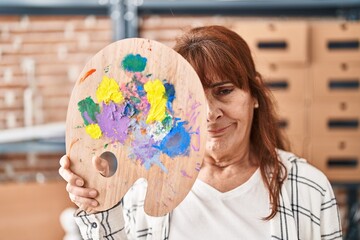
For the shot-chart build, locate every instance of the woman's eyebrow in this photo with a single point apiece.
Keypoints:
(218, 84)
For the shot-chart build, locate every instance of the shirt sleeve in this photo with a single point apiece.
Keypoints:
(107, 224)
(312, 201)
(330, 216)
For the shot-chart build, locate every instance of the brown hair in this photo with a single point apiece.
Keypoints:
(217, 52)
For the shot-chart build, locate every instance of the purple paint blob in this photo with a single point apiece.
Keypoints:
(196, 146)
(143, 150)
(185, 174)
(113, 123)
(143, 147)
(87, 118)
(198, 167)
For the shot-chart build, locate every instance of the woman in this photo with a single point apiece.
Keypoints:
(247, 188)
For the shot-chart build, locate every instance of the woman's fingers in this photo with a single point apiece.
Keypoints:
(70, 177)
(67, 174)
(65, 162)
(81, 191)
(82, 197)
(83, 203)
(101, 165)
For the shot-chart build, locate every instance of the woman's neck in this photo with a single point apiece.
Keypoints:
(227, 174)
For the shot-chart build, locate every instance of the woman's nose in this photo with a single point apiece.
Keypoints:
(213, 111)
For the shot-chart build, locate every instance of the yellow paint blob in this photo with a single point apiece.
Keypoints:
(108, 90)
(93, 130)
(156, 96)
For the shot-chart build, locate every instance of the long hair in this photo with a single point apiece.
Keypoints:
(217, 52)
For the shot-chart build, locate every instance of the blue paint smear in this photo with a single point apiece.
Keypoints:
(140, 89)
(170, 94)
(134, 63)
(129, 110)
(169, 107)
(176, 142)
(155, 160)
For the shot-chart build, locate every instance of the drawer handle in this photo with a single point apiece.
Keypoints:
(344, 84)
(277, 84)
(342, 123)
(336, 45)
(272, 45)
(342, 162)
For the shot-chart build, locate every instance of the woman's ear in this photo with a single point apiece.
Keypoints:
(255, 99)
(256, 103)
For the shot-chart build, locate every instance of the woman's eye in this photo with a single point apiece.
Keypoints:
(225, 91)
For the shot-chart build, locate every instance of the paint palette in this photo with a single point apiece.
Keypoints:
(141, 106)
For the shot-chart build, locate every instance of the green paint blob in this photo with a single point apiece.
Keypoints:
(135, 99)
(88, 109)
(134, 63)
(167, 123)
(107, 69)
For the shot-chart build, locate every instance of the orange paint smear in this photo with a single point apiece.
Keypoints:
(91, 71)
(72, 144)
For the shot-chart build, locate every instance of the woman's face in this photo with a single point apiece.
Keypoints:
(229, 118)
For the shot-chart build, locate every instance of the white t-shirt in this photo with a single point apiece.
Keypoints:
(209, 214)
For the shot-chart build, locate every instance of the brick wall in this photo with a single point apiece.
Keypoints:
(44, 54)
(40, 59)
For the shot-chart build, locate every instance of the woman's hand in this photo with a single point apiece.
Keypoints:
(83, 197)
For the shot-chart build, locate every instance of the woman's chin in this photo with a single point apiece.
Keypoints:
(216, 147)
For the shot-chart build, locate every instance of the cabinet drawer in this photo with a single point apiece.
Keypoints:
(335, 117)
(286, 82)
(336, 80)
(338, 158)
(275, 41)
(292, 117)
(334, 41)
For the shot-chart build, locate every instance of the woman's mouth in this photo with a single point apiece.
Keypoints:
(217, 130)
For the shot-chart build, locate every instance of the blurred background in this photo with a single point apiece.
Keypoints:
(308, 52)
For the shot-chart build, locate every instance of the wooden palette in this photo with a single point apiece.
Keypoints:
(142, 103)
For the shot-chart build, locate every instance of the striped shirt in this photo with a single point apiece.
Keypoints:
(307, 210)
